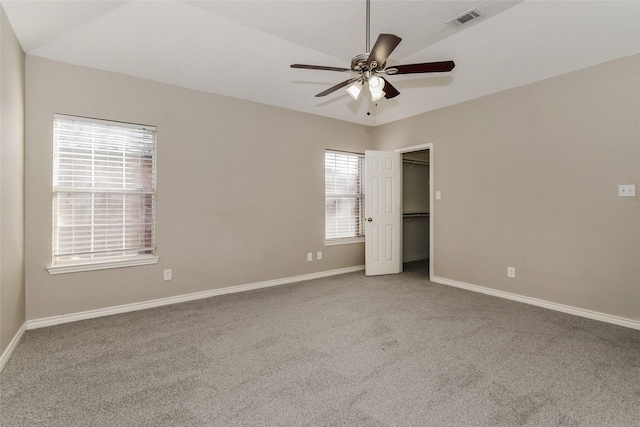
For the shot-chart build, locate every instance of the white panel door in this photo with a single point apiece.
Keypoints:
(383, 216)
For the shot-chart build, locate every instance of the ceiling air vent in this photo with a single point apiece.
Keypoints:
(465, 18)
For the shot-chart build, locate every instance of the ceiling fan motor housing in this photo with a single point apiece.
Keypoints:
(359, 62)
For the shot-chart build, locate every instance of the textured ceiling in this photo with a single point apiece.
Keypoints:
(243, 49)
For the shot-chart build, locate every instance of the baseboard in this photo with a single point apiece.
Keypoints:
(4, 357)
(595, 315)
(91, 314)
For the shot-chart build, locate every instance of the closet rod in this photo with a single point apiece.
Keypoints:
(415, 162)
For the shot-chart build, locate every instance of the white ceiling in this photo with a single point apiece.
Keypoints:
(243, 49)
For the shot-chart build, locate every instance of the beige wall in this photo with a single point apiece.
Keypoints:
(240, 195)
(529, 178)
(12, 304)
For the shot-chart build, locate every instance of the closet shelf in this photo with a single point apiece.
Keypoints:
(414, 214)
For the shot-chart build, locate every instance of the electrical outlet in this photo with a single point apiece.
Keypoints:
(167, 274)
(319, 256)
(309, 256)
(511, 272)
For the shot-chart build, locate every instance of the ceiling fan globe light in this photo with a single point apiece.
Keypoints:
(376, 84)
(354, 90)
(377, 95)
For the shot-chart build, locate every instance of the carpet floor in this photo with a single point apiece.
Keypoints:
(345, 350)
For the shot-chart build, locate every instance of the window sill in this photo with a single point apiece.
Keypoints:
(119, 263)
(346, 241)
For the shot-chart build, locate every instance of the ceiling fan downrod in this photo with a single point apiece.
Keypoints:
(368, 26)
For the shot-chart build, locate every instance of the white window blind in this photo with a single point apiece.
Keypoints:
(103, 190)
(344, 195)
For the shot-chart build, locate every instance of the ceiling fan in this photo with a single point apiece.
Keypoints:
(367, 67)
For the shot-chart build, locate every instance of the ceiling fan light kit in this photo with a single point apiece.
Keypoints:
(376, 88)
(367, 65)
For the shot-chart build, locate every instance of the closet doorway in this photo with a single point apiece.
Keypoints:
(417, 219)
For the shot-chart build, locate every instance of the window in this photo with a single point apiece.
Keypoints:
(344, 196)
(103, 194)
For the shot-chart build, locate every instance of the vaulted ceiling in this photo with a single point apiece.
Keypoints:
(244, 49)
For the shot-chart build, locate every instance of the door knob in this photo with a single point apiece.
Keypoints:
(369, 219)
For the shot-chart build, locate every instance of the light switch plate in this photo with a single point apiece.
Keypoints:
(627, 190)
(438, 195)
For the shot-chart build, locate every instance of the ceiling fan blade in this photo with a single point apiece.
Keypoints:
(385, 44)
(426, 67)
(336, 87)
(389, 90)
(319, 67)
